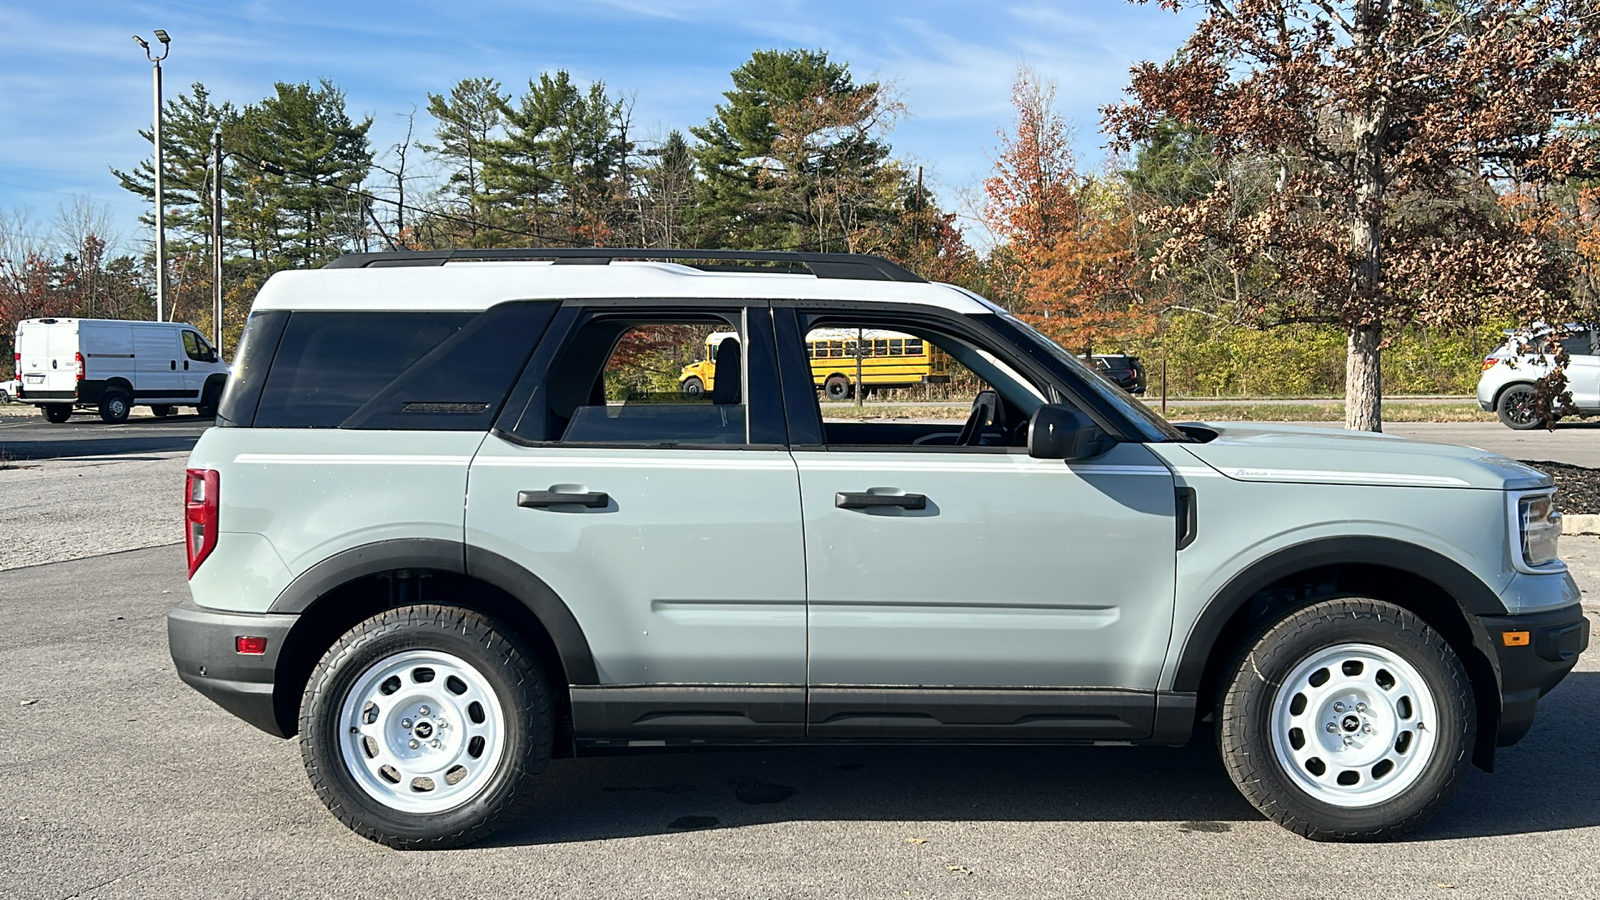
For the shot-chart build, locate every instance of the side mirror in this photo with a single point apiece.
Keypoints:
(1062, 432)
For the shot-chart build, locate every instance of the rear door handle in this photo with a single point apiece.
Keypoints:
(845, 500)
(540, 499)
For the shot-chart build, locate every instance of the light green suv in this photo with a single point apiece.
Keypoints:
(457, 518)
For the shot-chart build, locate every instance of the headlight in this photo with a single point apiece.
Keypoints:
(1539, 526)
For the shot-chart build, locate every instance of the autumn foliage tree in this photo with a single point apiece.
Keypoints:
(1068, 252)
(1393, 125)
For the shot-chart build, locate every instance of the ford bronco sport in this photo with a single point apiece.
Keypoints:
(458, 517)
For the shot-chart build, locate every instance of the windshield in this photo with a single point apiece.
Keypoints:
(1151, 426)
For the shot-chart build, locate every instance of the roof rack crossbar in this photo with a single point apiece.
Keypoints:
(822, 265)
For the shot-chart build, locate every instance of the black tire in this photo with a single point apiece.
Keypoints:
(1251, 697)
(56, 412)
(692, 386)
(115, 405)
(5, 396)
(161, 410)
(510, 671)
(208, 404)
(836, 387)
(1516, 408)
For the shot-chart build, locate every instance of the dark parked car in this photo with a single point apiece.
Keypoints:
(1125, 370)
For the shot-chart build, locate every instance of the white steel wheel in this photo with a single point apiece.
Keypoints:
(425, 725)
(424, 731)
(1350, 719)
(1353, 725)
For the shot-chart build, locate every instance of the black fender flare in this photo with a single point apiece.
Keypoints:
(1473, 596)
(457, 558)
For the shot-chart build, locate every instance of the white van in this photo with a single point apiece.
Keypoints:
(110, 365)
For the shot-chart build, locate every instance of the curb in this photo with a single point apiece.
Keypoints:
(1580, 524)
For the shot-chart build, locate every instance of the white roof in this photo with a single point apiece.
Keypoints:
(480, 285)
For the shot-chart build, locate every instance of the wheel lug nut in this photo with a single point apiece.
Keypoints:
(1338, 707)
(406, 724)
(1366, 729)
(423, 711)
(1361, 707)
(1348, 740)
(413, 744)
(443, 724)
(435, 743)
(1332, 728)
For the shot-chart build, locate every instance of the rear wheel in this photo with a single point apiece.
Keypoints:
(57, 412)
(114, 407)
(424, 726)
(837, 387)
(1349, 720)
(1517, 408)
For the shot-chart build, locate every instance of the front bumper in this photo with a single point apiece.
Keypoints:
(1529, 671)
(202, 643)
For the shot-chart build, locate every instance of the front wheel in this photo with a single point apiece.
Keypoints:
(692, 386)
(1517, 408)
(1349, 720)
(424, 726)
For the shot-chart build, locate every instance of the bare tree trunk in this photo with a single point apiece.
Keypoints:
(1363, 394)
(1363, 388)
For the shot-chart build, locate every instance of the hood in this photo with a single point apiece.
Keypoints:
(1309, 455)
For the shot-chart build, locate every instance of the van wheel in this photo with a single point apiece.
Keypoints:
(424, 726)
(208, 403)
(693, 386)
(1349, 720)
(114, 407)
(57, 412)
(837, 387)
(1516, 408)
(161, 410)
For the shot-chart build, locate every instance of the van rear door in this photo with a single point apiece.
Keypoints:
(48, 368)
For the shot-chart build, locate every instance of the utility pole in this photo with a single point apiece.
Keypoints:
(161, 206)
(216, 241)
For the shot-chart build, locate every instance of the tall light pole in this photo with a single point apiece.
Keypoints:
(216, 241)
(161, 205)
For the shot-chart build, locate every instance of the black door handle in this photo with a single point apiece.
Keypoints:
(173, 365)
(186, 365)
(540, 499)
(845, 500)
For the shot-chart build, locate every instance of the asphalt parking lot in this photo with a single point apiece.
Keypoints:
(126, 783)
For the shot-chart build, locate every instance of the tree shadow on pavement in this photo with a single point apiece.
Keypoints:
(1546, 783)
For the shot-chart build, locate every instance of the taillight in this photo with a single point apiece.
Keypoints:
(200, 515)
(78, 358)
(1489, 361)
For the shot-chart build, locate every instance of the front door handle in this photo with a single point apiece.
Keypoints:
(845, 500)
(540, 499)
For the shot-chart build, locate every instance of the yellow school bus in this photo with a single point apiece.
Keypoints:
(889, 359)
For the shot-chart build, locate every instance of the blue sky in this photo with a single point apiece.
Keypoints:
(77, 88)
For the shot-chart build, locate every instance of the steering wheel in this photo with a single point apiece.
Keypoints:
(985, 409)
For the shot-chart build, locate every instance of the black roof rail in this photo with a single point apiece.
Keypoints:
(823, 265)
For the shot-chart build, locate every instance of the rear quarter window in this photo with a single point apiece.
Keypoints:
(432, 371)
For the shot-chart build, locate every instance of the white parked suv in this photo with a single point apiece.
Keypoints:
(8, 391)
(111, 365)
(1507, 385)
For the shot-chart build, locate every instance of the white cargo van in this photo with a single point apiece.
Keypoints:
(110, 365)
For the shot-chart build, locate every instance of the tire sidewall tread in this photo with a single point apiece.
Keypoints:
(508, 666)
(1244, 714)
